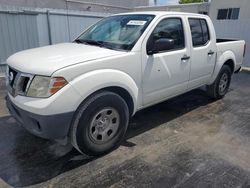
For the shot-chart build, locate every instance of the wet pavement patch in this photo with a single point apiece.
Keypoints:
(188, 141)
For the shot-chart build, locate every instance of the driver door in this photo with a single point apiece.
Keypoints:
(165, 71)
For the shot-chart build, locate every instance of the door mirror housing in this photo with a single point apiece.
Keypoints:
(159, 45)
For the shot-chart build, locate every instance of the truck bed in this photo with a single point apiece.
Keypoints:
(231, 46)
(225, 40)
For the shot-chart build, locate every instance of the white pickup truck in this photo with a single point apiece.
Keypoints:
(84, 92)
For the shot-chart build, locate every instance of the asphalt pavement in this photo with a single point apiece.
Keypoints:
(188, 141)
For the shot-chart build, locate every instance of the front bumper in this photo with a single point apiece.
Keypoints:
(54, 127)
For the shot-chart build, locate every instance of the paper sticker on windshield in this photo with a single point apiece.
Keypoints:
(136, 22)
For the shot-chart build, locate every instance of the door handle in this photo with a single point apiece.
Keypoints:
(210, 53)
(185, 57)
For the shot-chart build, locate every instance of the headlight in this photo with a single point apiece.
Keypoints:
(43, 87)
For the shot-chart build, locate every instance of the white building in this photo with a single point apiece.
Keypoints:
(231, 18)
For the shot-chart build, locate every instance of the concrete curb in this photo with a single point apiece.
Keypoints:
(246, 69)
(2, 83)
(2, 69)
(3, 184)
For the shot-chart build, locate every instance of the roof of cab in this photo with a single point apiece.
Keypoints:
(162, 13)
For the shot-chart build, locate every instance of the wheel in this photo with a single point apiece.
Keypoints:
(100, 124)
(220, 86)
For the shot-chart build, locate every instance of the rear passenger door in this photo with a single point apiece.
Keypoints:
(202, 52)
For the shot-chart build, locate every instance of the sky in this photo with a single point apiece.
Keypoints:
(168, 2)
(164, 2)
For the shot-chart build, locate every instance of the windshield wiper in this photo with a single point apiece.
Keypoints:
(101, 44)
(78, 41)
(92, 42)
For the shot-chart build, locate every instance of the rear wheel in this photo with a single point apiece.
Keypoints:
(100, 124)
(220, 87)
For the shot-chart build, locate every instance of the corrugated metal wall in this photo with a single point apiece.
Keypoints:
(17, 32)
(24, 28)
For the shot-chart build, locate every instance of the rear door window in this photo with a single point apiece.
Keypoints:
(199, 31)
(205, 31)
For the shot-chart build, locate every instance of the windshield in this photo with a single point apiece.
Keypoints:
(119, 32)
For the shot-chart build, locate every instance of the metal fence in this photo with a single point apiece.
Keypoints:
(23, 28)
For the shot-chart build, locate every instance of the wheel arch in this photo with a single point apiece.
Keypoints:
(108, 80)
(231, 64)
(227, 58)
(119, 91)
(122, 93)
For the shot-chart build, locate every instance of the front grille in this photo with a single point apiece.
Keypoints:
(17, 82)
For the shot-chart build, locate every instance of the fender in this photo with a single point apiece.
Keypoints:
(221, 60)
(93, 81)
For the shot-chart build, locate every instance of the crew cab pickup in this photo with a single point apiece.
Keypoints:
(84, 92)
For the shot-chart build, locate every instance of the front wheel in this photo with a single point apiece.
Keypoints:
(100, 124)
(221, 85)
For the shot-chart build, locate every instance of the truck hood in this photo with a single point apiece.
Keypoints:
(48, 59)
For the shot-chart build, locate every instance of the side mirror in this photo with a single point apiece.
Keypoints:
(156, 46)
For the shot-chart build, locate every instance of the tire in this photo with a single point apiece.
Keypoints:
(100, 124)
(220, 87)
